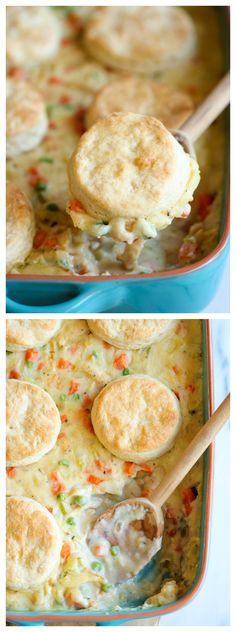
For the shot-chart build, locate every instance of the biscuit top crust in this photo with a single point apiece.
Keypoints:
(25, 107)
(33, 543)
(19, 213)
(142, 96)
(27, 333)
(33, 34)
(129, 333)
(141, 38)
(135, 414)
(33, 422)
(129, 165)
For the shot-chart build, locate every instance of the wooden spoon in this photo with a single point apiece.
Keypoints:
(191, 130)
(152, 524)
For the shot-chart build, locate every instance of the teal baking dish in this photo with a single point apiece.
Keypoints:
(188, 289)
(132, 610)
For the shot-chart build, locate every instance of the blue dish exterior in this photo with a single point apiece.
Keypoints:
(108, 618)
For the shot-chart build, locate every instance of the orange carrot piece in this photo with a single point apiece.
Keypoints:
(129, 468)
(121, 361)
(64, 419)
(103, 467)
(146, 468)
(75, 205)
(14, 375)
(65, 551)
(39, 238)
(95, 480)
(11, 472)
(57, 487)
(64, 364)
(40, 366)
(61, 435)
(74, 386)
(31, 355)
(86, 403)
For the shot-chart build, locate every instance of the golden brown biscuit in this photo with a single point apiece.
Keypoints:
(33, 423)
(26, 333)
(20, 226)
(130, 333)
(136, 418)
(33, 35)
(33, 543)
(142, 96)
(129, 176)
(144, 39)
(26, 122)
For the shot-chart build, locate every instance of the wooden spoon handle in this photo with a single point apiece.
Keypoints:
(209, 110)
(192, 453)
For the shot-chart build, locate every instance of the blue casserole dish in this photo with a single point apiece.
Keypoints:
(134, 611)
(187, 289)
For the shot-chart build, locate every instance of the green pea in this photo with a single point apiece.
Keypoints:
(79, 500)
(96, 566)
(115, 551)
(62, 397)
(71, 521)
(46, 159)
(125, 372)
(95, 354)
(64, 462)
(40, 186)
(76, 396)
(29, 364)
(61, 496)
(106, 587)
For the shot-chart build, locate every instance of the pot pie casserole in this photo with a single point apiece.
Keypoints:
(71, 399)
(70, 67)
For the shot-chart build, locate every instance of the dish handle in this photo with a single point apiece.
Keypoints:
(26, 297)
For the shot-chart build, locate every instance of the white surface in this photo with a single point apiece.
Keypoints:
(221, 302)
(211, 605)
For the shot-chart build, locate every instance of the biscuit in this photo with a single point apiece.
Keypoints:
(26, 122)
(20, 226)
(142, 96)
(129, 333)
(136, 418)
(33, 35)
(33, 543)
(33, 423)
(144, 39)
(26, 333)
(129, 167)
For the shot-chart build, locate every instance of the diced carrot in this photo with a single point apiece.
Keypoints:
(188, 495)
(31, 355)
(191, 388)
(64, 99)
(106, 345)
(14, 375)
(11, 472)
(146, 493)
(146, 468)
(65, 550)
(57, 487)
(52, 125)
(74, 21)
(54, 476)
(50, 509)
(66, 40)
(204, 202)
(121, 361)
(51, 243)
(87, 402)
(85, 417)
(40, 366)
(75, 205)
(64, 419)
(103, 467)
(54, 80)
(17, 73)
(129, 468)
(74, 386)
(176, 369)
(64, 364)
(95, 480)
(100, 550)
(39, 238)
(188, 250)
(61, 435)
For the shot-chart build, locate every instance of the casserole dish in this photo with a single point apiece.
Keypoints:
(189, 285)
(132, 610)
